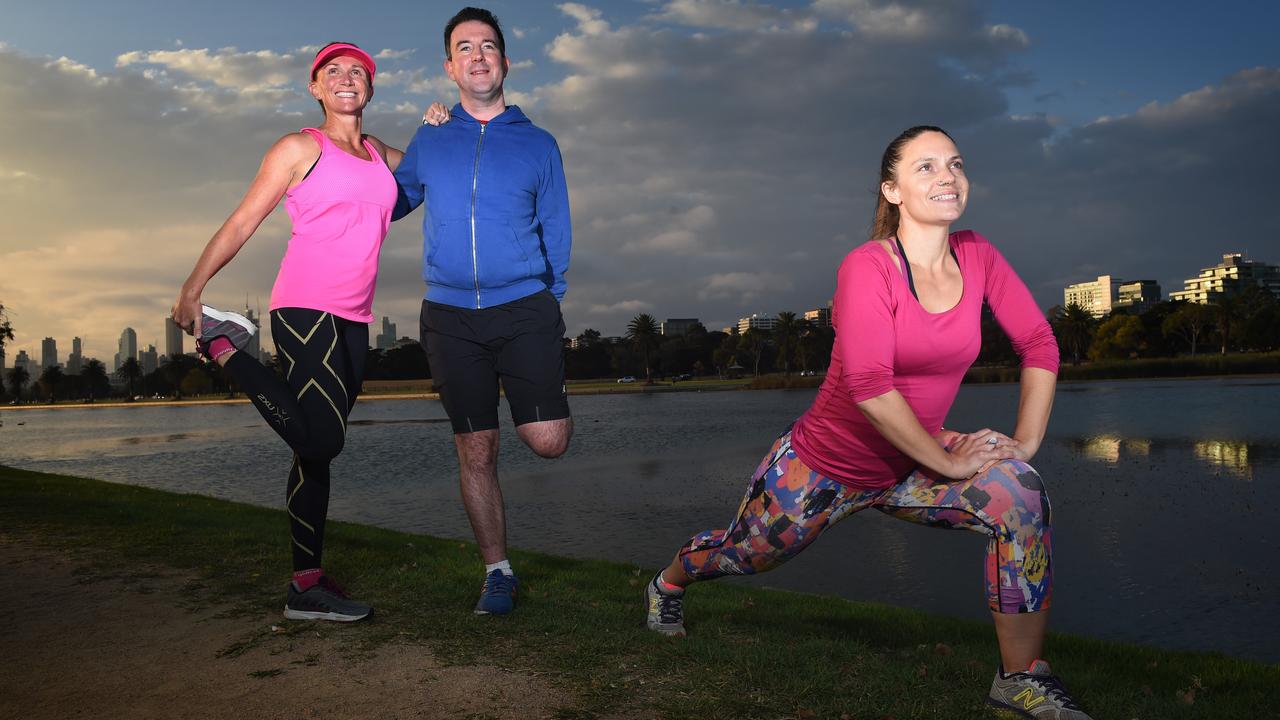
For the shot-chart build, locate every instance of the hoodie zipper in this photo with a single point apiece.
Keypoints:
(475, 176)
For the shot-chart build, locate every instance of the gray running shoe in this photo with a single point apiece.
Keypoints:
(666, 610)
(1035, 693)
(324, 601)
(236, 328)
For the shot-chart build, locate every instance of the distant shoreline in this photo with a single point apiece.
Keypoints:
(586, 388)
(415, 390)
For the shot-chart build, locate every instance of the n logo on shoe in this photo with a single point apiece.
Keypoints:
(1028, 699)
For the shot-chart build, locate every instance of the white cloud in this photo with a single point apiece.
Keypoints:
(626, 307)
(226, 67)
(589, 18)
(70, 67)
(743, 287)
(1010, 35)
(735, 15)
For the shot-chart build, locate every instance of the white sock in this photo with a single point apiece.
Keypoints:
(503, 565)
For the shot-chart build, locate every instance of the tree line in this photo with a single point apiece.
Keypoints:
(792, 345)
(1245, 320)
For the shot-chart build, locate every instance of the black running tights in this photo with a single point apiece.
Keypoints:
(322, 359)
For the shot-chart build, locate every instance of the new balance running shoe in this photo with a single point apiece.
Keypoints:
(666, 610)
(324, 601)
(1036, 693)
(498, 596)
(236, 328)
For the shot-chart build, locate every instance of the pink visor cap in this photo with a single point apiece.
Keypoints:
(332, 51)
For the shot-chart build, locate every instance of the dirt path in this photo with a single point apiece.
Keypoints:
(76, 644)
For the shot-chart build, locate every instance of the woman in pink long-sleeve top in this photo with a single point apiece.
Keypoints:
(907, 315)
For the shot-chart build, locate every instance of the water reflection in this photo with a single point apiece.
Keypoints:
(1236, 457)
(1227, 455)
(147, 439)
(1110, 448)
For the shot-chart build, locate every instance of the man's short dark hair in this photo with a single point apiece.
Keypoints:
(467, 14)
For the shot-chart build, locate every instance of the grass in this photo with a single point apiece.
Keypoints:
(752, 653)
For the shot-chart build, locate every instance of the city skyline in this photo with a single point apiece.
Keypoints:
(1110, 291)
(382, 332)
(721, 156)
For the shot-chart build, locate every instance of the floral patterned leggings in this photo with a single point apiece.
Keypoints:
(788, 505)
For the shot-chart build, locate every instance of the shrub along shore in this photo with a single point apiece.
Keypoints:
(1240, 364)
(752, 653)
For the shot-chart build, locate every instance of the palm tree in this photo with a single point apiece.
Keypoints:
(50, 379)
(642, 331)
(786, 336)
(18, 378)
(93, 379)
(130, 371)
(1074, 328)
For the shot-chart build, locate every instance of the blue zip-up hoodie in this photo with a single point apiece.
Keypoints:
(496, 224)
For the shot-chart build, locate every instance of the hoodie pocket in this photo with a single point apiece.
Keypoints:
(449, 261)
(503, 259)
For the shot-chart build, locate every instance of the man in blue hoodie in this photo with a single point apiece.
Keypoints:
(496, 237)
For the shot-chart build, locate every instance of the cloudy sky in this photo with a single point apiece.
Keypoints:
(721, 155)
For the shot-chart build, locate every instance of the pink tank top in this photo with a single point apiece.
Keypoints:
(340, 214)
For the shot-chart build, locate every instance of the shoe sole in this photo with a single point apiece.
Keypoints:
(1001, 710)
(292, 614)
(478, 611)
(236, 318)
(664, 630)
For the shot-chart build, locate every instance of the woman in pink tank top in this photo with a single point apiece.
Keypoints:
(339, 193)
(907, 314)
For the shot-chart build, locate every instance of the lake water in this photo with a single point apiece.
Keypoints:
(1165, 493)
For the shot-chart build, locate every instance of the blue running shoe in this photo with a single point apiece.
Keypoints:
(498, 597)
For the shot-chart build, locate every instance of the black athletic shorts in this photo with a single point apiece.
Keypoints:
(520, 343)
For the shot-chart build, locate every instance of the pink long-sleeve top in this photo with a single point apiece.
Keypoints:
(885, 340)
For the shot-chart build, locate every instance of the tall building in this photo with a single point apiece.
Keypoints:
(254, 346)
(149, 360)
(757, 321)
(22, 361)
(128, 347)
(820, 317)
(1228, 277)
(1095, 297)
(48, 353)
(172, 338)
(75, 361)
(387, 338)
(678, 326)
(1137, 294)
(1108, 293)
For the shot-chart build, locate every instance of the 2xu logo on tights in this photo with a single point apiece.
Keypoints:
(278, 416)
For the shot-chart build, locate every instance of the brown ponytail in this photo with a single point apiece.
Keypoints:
(885, 224)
